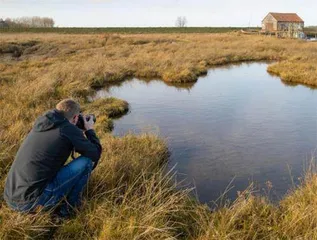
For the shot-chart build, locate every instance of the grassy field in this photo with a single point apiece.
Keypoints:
(310, 31)
(122, 30)
(130, 195)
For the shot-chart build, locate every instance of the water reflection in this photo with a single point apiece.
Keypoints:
(179, 86)
(293, 85)
(237, 122)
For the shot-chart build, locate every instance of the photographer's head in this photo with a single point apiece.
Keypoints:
(70, 110)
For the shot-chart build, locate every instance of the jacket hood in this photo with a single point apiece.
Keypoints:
(49, 120)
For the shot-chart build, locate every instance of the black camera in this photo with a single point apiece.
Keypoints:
(81, 123)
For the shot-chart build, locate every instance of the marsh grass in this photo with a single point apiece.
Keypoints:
(130, 195)
(135, 30)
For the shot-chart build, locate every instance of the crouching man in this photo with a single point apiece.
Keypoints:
(38, 178)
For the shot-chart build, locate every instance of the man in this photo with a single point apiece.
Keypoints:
(38, 178)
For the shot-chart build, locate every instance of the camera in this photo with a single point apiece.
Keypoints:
(81, 123)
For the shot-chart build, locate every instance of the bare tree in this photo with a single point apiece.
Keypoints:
(32, 22)
(181, 22)
(9, 22)
(48, 22)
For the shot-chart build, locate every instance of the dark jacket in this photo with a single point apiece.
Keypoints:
(43, 153)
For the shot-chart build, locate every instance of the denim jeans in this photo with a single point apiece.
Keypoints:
(67, 185)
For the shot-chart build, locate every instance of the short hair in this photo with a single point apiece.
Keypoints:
(68, 108)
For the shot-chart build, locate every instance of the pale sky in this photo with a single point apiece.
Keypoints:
(141, 13)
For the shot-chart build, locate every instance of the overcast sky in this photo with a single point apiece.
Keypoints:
(141, 13)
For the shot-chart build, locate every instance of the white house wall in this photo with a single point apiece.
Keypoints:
(269, 19)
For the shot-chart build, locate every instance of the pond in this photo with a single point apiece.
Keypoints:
(236, 125)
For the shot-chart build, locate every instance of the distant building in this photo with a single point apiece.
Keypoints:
(3, 24)
(284, 25)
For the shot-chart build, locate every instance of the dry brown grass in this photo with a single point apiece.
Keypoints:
(129, 196)
(102, 59)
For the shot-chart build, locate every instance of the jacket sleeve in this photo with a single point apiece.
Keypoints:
(88, 146)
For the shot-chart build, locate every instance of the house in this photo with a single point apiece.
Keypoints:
(284, 25)
(3, 24)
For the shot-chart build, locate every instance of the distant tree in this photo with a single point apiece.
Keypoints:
(30, 22)
(181, 22)
(10, 23)
(48, 22)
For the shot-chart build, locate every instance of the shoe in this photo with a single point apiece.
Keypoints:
(65, 212)
(56, 219)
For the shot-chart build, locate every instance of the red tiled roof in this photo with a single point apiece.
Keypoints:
(286, 17)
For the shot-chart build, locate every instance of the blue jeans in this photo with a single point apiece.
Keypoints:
(67, 185)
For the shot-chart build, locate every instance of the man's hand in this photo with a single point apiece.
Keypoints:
(89, 124)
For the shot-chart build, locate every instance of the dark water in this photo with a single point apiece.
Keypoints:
(237, 123)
